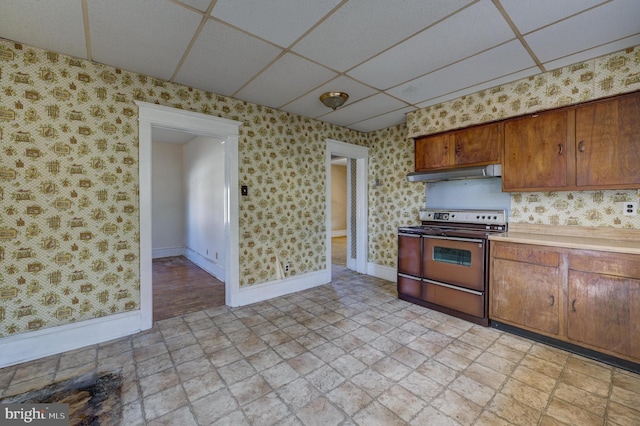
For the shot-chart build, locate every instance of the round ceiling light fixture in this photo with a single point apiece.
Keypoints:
(334, 99)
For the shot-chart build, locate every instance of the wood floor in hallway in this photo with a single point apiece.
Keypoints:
(180, 287)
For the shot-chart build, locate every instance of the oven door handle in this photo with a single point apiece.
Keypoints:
(440, 237)
(466, 290)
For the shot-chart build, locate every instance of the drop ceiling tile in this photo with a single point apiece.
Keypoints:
(362, 28)
(147, 37)
(482, 86)
(309, 105)
(531, 15)
(202, 5)
(456, 38)
(585, 55)
(214, 62)
(55, 26)
(282, 22)
(363, 110)
(500, 61)
(604, 24)
(270, 89)
(383, 121)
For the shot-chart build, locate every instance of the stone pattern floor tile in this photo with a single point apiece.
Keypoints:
(346, 353)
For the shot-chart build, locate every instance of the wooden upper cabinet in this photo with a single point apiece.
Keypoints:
(474, 146)
(536, 149)
(608, 143)
(433, 152)
(477, 145)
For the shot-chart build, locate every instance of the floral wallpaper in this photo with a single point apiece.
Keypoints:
(597, 78)
(69, 241)
(393, 201)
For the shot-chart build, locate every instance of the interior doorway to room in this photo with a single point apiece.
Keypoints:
(354, 243)
(339, 211)
(150, 117)
(187, 181)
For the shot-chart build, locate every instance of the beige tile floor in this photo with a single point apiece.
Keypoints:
(345, 353)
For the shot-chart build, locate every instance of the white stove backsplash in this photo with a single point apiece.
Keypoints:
(479, 194)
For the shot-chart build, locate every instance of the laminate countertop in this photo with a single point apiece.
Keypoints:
(573, 237)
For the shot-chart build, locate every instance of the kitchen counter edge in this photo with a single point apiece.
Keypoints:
(609, 239)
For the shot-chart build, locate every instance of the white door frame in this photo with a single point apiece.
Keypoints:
(361, 155)
(150, 116)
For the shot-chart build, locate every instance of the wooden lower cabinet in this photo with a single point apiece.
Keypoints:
(604, 302)
(525, 288)
(584, 297)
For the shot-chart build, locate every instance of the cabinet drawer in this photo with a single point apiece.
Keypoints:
(459, 300)
(520, 253)
(409, 286)
(616, 264)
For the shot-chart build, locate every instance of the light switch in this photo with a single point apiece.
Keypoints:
(244, 190)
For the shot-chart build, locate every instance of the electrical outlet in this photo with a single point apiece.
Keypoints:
(286, 267)
(630, 208)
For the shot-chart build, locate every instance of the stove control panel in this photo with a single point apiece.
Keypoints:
(498, 217)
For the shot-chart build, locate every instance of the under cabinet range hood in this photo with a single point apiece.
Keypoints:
(492, 170)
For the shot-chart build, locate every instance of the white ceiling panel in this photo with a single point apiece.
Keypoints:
(364, 109)
(309, 105)
(495, 63)
(214, 63)
(383, 121)
(201, 5)
(531, 15)
(147, 37)
(53, 25)
(288, 78)
(279, 21)
(482, 86)
(587, 30)
(390, 56)
(456, 38)
(362, 28)
(594, 53)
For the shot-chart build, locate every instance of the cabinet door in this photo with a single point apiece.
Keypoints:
(608, 142)
(477, 145)
(601, 312)
(410, 254)
(525, 294)
(535, 152)
(433, 152)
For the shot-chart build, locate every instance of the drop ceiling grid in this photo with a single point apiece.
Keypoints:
(284, 54)
(149, 40)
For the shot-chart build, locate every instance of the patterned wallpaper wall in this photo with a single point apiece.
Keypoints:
(597, 78)
(69, 242)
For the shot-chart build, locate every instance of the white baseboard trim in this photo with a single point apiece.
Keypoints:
(51, 341)
(259, 292)
(384, 272)
(339, 233)
(157, 253)
(205, 263)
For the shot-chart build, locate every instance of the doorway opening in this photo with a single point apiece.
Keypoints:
(187, 220)
(356, 159)
(152, 116)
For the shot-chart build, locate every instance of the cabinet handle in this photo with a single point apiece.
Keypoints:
(553, 300)
(560, 149)
(573, 305)
(458, 151)
(581, 146)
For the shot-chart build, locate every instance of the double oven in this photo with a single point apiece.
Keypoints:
(443, 264)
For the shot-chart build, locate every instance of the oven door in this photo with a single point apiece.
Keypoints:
(453, 260)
